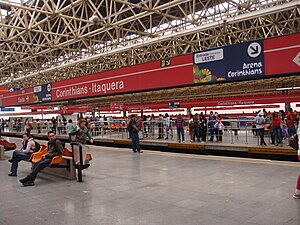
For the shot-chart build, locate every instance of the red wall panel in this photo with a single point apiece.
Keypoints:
(282, 55)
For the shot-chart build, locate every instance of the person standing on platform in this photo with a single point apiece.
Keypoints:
(276, 121)
(134, 130)
(291, 122)
(260, 122)
(28, 126)
(168, 126)
(191, 128)
(202, 127)
(196, 129)
(211, 125)
(160, 125)
(180, 128)
(70, 127)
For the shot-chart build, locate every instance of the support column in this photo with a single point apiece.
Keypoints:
(287, 106)
(189, 111)
(124, 113)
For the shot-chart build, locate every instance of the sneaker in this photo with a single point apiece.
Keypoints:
(28, 183)
(202, 142)
(10, 160)
(296, 196)
(24, 180)
(183, 141)
(12, 174)
(140, 151)
(134, 151)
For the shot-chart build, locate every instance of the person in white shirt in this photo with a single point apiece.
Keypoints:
(168, 125)
(260, 123)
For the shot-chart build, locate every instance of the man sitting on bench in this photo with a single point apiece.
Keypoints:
(55, 148)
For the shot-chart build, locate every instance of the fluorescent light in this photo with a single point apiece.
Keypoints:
(283, 89)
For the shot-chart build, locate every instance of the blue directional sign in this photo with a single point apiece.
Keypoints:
(235, 62)
(42, 93)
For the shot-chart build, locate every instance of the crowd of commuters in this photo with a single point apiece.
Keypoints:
(201, 128)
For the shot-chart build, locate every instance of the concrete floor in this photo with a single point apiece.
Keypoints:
(154, 188)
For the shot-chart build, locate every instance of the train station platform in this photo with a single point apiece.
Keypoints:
(155, 188)
(245, 144)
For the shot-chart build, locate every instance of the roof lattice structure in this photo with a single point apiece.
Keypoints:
(44, 41)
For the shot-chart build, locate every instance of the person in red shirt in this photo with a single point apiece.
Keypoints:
(291, 122)
(276, 120)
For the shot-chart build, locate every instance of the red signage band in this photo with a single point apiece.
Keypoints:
(17, 98)
(140, 77)
(37, 107)
(282, 55)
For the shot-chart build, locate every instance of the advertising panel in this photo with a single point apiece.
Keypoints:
(42, 93)
(282, 55)
(134, 78)
(17, 98)
(235, 62)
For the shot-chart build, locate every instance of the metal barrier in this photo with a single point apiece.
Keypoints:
(241, 131)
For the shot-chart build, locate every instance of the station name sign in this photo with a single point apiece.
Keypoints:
(146, 76)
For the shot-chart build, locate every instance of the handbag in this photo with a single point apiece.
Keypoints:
(88, 157)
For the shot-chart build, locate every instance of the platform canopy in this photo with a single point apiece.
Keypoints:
(45, 41)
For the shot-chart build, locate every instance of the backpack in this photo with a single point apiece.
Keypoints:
(293, 142)
(37, 146)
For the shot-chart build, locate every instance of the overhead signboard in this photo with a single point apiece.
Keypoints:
(116, 106)
(77, 108)
(42, 93)
(17, 98)
(235, 62)
(128, 79)
(7, 109)
(173, 105)
(282, 55)
(37, 107)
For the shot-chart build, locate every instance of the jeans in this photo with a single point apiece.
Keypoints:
(167, 131)
(291, 131)
(180, 131)
(211, 132)
(261, 133)
(16, 158)
(38, 166)
(196, 134)
(278, 134)
(219, 134)
(135, 141)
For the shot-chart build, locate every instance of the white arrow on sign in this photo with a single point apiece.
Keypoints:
(297, 59)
